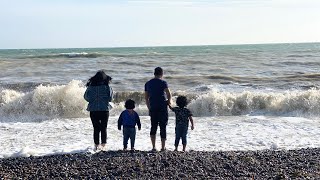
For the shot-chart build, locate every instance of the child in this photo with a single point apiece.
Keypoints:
(183, 115)
(129, 118)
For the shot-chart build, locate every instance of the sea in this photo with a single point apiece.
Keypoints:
(243, 97)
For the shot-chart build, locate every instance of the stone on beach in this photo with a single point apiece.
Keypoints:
(300, 164)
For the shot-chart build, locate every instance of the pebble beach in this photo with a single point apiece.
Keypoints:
(266, 164)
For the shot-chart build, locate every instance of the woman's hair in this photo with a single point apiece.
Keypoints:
(98, 79)
(130, 104)
(182, 101)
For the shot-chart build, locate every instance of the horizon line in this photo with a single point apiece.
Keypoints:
(151, 46)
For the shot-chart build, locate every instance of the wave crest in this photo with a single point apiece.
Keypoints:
(66, 101)
(290, 103)
(44, 101)
(95, 55)
(66, 55)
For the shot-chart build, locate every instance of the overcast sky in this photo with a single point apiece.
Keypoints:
(102, 23)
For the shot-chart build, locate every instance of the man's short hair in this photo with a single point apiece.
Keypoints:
(158, 71)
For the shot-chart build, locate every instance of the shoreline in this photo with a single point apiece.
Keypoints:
(265, 164)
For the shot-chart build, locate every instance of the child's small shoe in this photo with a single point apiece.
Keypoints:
(132, 150)
(163, 149)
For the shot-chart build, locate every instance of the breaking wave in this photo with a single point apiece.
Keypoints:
(289, 103)
(66, 101)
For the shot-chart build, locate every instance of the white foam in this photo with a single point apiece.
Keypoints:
(7, 96)
(58, 136)
(288, 103)
(66, 101)
(72, 54)
(44, 102)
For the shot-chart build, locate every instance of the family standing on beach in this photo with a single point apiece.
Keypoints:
(158, 98)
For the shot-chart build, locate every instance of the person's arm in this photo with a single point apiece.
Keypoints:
(174, 109)
(138, 121)
(120, 122)
(86, 95)
(191, 120)
(147, 97)
(110, 94)
(168, 93)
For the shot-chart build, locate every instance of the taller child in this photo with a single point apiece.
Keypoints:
(158, 96)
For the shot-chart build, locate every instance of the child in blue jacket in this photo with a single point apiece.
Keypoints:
(129, 119)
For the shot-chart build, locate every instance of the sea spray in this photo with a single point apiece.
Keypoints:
(6, 96)
(44, 101)
(66, 101)
(292, 103)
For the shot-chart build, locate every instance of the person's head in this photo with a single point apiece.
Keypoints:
(130, 104)
(182, 101)
(99, 78)
(158, 72)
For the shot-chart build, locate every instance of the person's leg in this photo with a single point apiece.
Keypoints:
(96, 127)
(163, 121)
(178, 134)
(125, 138)
(104, 123)
(184, 137)
(132, 137)
(154, 127)
(153, 141)
(184, 147)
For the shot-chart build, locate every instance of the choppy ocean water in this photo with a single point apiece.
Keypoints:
(243, 97)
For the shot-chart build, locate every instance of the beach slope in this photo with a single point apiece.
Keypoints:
(301, 164)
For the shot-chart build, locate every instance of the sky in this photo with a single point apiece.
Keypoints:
(130, 23)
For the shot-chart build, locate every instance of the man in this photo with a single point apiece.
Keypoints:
(158, 97)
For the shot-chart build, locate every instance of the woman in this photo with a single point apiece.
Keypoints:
(99, 94)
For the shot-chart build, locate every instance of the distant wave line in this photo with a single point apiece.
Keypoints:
(93, 55)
